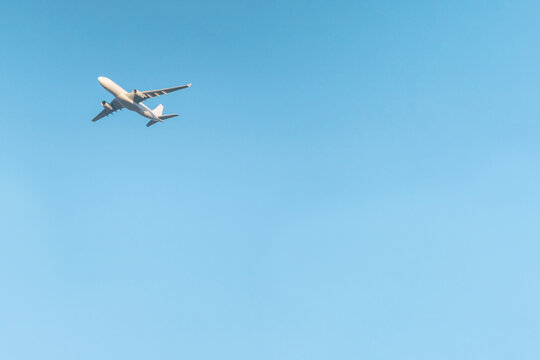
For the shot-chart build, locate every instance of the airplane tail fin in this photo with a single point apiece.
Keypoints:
(158, 110)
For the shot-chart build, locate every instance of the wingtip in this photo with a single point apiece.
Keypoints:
(188, 85)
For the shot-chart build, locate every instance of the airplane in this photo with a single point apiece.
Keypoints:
(133, 101)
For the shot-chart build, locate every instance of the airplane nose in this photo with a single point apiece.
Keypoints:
(101, 79)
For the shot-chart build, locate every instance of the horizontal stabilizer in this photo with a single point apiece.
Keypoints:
(163, 117)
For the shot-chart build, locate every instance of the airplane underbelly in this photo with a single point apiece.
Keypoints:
(139, 108)
(129, 105)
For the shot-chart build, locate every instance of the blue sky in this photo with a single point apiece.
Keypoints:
(348, 180)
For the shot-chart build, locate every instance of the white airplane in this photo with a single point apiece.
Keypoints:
(133, 101)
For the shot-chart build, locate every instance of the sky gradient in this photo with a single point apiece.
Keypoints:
(346, 180)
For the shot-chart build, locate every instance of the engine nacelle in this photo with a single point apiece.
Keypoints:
(106, 105)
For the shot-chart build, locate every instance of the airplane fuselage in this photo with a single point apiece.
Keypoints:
(119, 93)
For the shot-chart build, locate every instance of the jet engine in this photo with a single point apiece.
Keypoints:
(106, 105)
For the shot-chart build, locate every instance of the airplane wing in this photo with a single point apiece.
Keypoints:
(115, 105)
(140, 96)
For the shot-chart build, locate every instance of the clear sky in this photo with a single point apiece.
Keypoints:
(346, 180)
